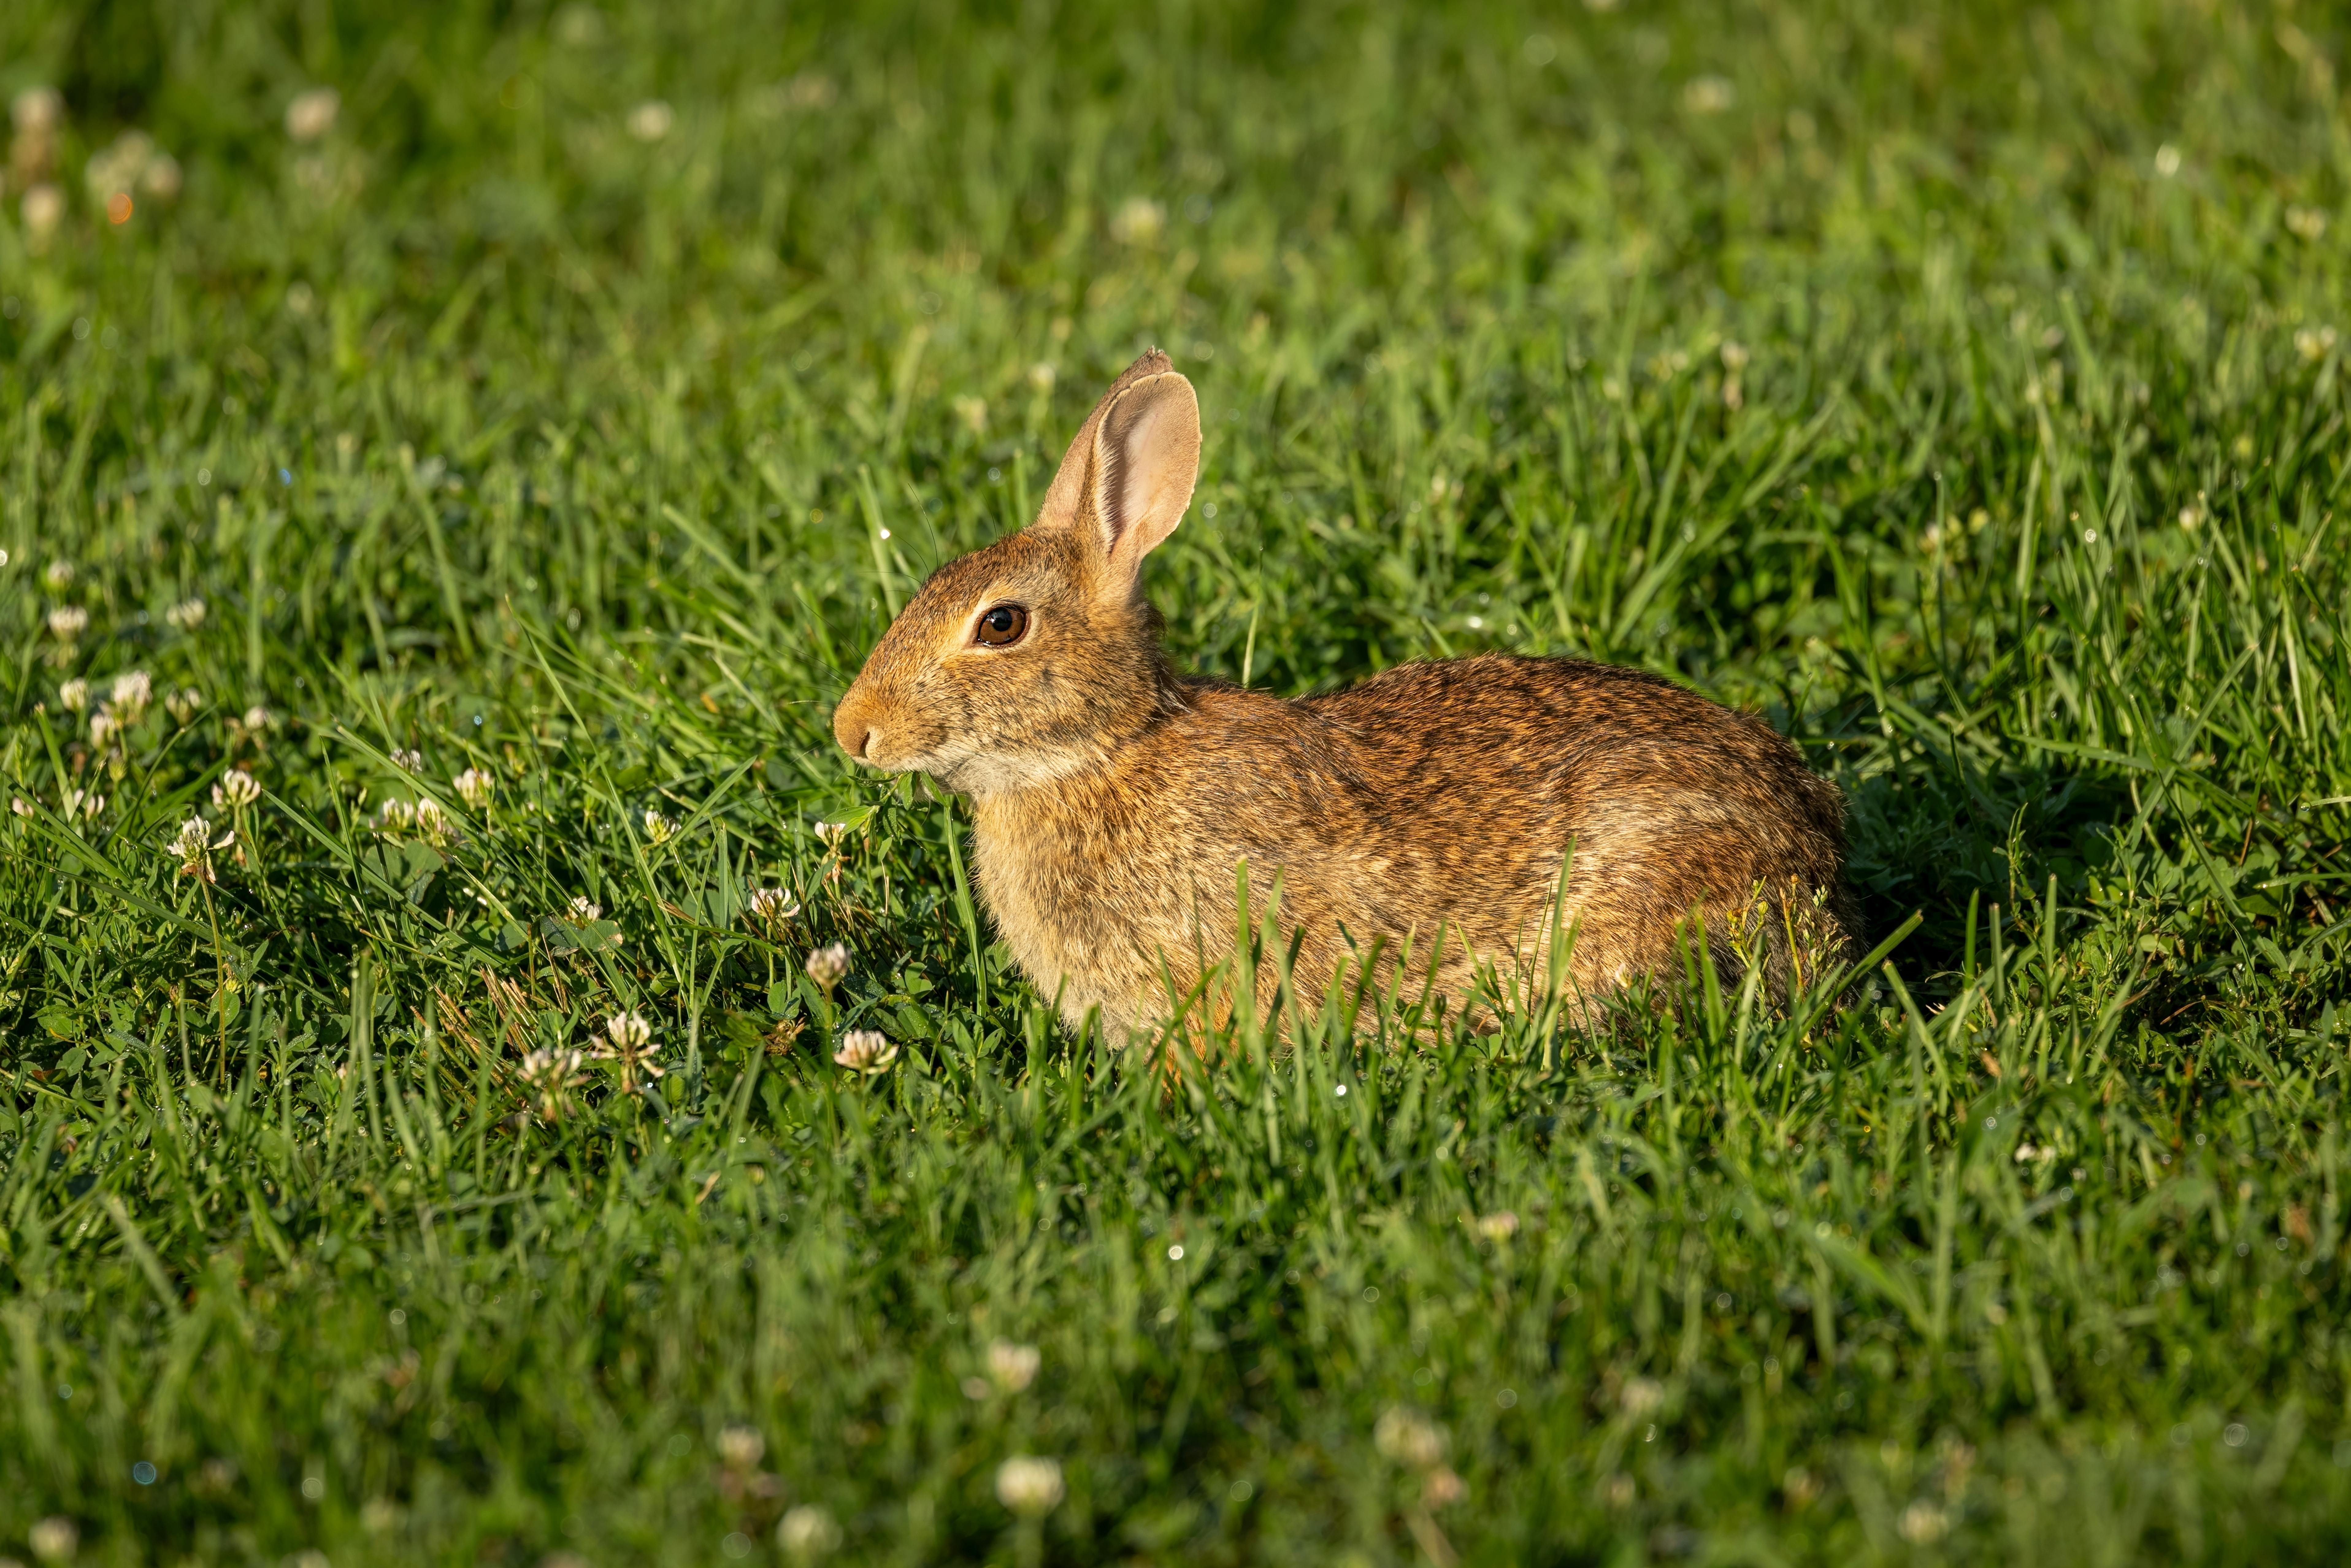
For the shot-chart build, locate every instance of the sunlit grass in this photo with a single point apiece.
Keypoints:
(439, 523)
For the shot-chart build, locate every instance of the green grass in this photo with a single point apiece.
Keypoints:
(1957, 385)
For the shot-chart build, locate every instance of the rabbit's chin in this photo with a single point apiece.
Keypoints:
(978, 773)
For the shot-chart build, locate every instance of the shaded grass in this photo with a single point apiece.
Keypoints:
(1910, 393)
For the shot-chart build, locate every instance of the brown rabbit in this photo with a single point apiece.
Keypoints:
(1113, 798)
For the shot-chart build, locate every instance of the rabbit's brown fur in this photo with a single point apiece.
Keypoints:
(1113, 798)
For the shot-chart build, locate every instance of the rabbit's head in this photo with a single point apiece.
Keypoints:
(1036, 656)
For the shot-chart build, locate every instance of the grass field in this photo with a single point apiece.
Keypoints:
(505, 465)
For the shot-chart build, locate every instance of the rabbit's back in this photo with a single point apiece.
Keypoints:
(1486, 770)
(1431, 796)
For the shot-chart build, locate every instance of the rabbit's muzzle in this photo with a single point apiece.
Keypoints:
(857, 725)
(855, 736)
(881, 725)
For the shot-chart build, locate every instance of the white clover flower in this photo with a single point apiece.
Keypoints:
(832, 833)
(774, 906)
(183, 704)
(584, 912)
(549, 1062)
(18, 804)
(312, 114)
(474, 788)
(258, 718)
(54, 1539)
(434, 825)
(193, 844)
(395, 817)
(865, 1051)
(1408, 1439)
(550, 1073)
(74, 694)
(37, 111)
(739, 1447)
(1708, 95)
(161, 177)
(408, 761)
(1441, 1489)
(1642, 1397)
(113, 174)
(1042, 375)
(84, 803)
(103, 726)
(807, 1533)
(1013, 1367)
(659, 829)
(44, 208)
(1139, 221)
(59, 574)
(628, 1040)
(132, 692)
(2306, 222)
(652, 120)
(828, 965)
(1499, 1226)
(67, 622)
(1922, 1523)
(186, 615)
(1029, 1487)
(235, 791)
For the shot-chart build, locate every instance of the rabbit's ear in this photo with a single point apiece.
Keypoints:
(1129, 475)
(1146, 460)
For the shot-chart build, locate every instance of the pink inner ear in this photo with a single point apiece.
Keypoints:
(1135, 479)
(1149, 458)
(1064, 499)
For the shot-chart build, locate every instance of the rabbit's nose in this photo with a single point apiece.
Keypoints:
(853, 729)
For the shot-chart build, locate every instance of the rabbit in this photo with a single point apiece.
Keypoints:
(1461, 810)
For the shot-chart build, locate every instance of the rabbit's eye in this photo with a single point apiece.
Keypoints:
(1003, 626)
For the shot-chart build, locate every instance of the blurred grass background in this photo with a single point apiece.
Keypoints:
(562, 397)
